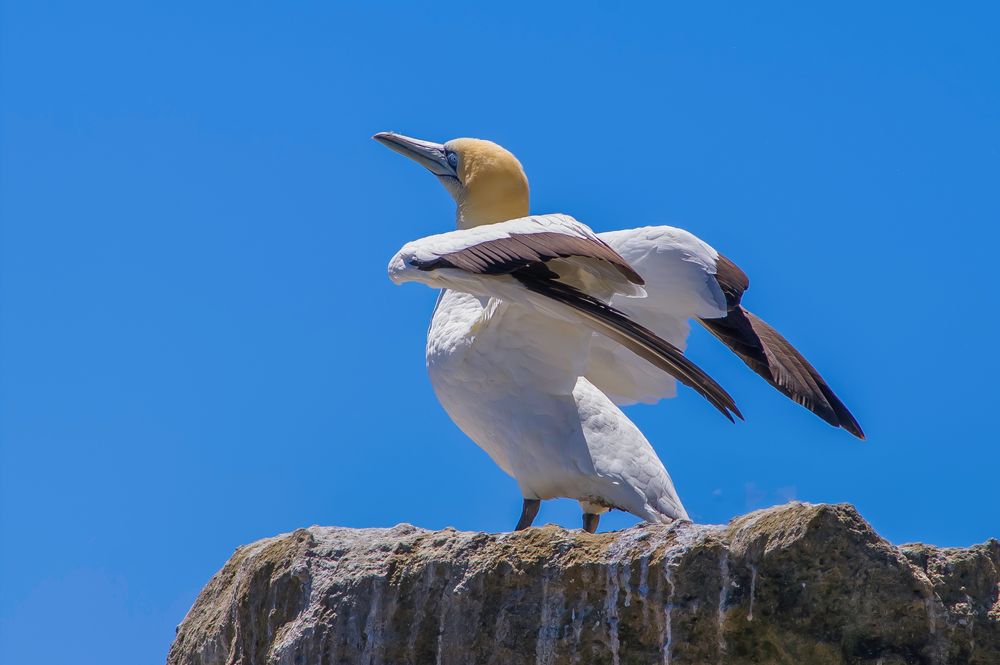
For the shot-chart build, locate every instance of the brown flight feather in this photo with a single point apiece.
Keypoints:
(770, 355)
(503, 256)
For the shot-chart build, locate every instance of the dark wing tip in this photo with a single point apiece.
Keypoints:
(733, 411)
(773, 357)
(847, 420)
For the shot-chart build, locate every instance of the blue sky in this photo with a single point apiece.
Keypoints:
(199, 345)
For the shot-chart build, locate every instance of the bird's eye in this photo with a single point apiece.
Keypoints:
(452, 159)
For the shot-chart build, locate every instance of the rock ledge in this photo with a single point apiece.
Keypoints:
(797, 583)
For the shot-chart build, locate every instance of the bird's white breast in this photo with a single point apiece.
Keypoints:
(511, 379)
(502, 376)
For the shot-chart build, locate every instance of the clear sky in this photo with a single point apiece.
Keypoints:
(200, 346)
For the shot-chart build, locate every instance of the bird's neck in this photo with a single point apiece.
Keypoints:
(489, 207)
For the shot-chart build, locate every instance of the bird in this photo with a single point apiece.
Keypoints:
(543, 329)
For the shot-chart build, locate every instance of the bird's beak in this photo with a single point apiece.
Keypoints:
(429, 155)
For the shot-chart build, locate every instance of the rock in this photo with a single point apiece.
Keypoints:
(797, 583)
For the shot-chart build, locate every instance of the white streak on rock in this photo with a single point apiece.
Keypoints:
(644, 575)
(723, 598)
(668, 635)
(611, 611)
(372, 626)
(549, 628)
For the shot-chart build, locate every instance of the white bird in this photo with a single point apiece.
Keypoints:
(543, 327)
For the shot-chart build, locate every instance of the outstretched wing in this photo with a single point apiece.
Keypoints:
(687, 279)
(772, 356)
(559, 267)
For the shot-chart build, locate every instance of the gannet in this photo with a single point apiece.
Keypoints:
(544, 328)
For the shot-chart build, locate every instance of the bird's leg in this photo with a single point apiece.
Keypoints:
(528, 512)
(590, 521)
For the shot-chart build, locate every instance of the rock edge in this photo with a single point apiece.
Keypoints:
(797, 583)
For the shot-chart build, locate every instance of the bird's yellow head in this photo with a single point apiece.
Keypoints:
(486, 181)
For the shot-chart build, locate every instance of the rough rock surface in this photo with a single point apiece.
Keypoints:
(797, 583)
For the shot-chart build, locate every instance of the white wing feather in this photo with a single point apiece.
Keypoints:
(677, 267)
(679, 272)
(546, 342)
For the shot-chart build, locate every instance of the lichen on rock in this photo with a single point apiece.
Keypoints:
(797, 583)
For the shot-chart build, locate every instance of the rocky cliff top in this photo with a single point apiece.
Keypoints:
(797, 583)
